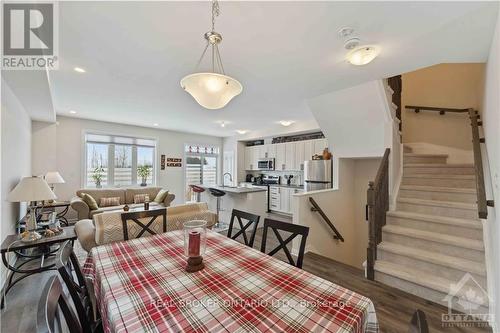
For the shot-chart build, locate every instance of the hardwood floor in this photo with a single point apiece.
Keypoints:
(394, 307)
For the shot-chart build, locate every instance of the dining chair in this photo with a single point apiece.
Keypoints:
(137, 228)
(55, 313)
(251, 219)
(296, 230)
(67, 264)
(418, 323)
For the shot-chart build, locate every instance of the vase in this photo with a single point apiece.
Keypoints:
(144, 181)
(195, 238)
(98, 184)
(326, 154)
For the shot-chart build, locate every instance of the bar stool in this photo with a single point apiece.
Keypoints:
(198, 190)
(218, 194)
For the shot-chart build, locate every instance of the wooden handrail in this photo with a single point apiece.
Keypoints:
(482, 203)
(377, 199)
(441, 111)
(316, 208)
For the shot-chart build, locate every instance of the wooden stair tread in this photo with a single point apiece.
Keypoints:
(468, 223)
(461, 264)
(437, 165)
(437, 189)
(468, 243)
(438, 176)
(434, 282)
(438, 203)
(424, 155)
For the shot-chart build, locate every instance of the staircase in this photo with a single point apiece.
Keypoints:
(434, 236)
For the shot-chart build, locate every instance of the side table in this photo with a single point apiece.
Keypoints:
(13, 243)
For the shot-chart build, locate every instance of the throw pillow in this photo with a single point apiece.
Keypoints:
(160, 197)
(90, 201)
(107, 202)
(141, 198)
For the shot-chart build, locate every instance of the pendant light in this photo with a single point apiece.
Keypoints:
(212, 90)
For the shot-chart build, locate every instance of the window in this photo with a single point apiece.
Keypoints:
(201, 167)
(118, 161)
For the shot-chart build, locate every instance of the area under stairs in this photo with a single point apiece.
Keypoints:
(434, 236)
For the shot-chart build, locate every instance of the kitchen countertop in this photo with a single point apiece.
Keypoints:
(236, 190)
(277, 185)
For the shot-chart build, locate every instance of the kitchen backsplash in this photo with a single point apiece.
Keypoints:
(297, 179)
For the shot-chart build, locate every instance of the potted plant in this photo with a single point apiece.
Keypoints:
(144, 171)
(97, 176)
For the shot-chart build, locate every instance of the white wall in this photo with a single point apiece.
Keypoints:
(69, 151)
(15, 158)
(345, 207)
(354, 119)
(491, 121)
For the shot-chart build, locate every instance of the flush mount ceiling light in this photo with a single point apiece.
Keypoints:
(241, 131)
(156, 125)
(286, 123)
(212, 90)
(363, 55)
(72, 111)
(79, 70)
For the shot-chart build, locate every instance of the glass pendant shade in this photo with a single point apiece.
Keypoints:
(211, 90)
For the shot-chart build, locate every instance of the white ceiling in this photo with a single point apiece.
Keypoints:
(135, 54)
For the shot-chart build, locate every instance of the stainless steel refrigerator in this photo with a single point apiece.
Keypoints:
(317, 175)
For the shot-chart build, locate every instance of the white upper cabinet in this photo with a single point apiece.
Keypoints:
(320, 145)
(299, 155)
(280, 156)
(290, 156)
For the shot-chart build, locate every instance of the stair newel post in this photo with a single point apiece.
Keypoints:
(371, 251)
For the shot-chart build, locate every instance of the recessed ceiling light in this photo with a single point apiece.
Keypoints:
(155, 124)
(72, 111)
(241, 131)
(286, 123)
(363, 55)
(79, 70)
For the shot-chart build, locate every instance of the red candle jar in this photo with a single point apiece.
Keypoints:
(195, 235)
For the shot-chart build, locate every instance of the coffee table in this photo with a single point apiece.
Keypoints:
(13, 243)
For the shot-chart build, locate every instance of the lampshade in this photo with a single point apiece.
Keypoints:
(31, 189)
(211, 90)
(53, 177)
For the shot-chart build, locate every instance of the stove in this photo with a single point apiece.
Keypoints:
(270, 180)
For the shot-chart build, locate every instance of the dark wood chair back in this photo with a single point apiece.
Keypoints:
(295, 229)
(68, 267)
(135, 218)
(54, 309)
(251, 219)
(418, 323)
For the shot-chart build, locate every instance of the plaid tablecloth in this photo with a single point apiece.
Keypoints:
(141, 286)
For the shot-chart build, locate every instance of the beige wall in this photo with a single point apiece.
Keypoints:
(443, 85)
(346, 209)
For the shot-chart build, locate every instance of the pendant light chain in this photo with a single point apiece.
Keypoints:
(215, 12)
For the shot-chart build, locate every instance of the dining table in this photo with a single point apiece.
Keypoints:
(141, 285)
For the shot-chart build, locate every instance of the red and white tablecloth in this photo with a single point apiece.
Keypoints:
(141, 286)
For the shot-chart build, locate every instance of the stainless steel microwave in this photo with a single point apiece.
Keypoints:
(266, 164)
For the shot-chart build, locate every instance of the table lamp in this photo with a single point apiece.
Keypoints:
(52, 178)
(31, 190)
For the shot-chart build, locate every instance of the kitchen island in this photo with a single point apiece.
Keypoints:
(251, 199)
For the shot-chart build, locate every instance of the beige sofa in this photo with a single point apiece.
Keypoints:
(106, 227)
(126, 196)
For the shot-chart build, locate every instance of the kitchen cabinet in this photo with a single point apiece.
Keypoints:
(270, 151)
(290, 160)
(320, 145)
(308, 150)
(300, 155)
(285, 194)
(252, 157)
(274, 198)
(281, 198)
(280, 156)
